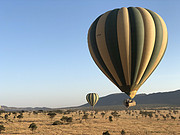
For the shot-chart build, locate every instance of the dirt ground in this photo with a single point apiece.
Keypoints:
(132, 122)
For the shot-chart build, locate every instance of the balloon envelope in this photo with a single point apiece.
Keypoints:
(92, 98)
(127, 45)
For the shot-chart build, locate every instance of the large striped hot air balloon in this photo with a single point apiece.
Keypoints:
(92, 98)
(127, 44)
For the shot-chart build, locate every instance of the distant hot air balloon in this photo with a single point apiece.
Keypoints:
(127, 45)
(92, 98)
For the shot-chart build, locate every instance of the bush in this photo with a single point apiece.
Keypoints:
(123, 132)
(150, 115)
(51, 115)
(106, 133)
(172, 117)
(57, 123)
(59, 111)
(2, 128)
(6, 116)
(85, 116)
(35, 112)
(96, 112)
(66, 119)
(102, 114)
(68, 111)
(110, 118)
(69, 119)
(115, 114)
(33, 127)
(20, 116)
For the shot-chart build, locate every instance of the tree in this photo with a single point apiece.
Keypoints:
(91, 114)
(57, 123)
(66, 119)
(102, 114)
(150, 115)
(123, 132)
(167, 115)
(85, 116)
(15, 114)
(51, 115)
(115, 114)
(20, 116)
(172, 117)
(35, 112)
(164, 117)
(110, 118)
(106, 133)
(2, 128)
(96, 112)
(32, 127)
(6, 116)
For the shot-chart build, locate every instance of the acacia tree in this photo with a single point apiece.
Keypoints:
(32, 127)
(106, 133)
(102, 114)
(51, 115)
(110, 118)
(123, 132)
(6, 116)
(20, 116)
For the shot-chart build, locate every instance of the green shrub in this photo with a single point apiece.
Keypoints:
(106, 133)
(123, 132)
(102, 114)
(85, 116)
(6, 116)
(2, 128)
(66, 119)
(110, 118)
(32, 127)
(20, 116)
(51, 115)
(57, 123)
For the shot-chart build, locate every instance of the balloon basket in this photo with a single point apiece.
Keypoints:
(129, 102)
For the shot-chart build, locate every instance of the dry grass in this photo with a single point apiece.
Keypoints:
(132, 125)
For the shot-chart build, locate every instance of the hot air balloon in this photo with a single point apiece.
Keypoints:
(92, 98)
(127, 45)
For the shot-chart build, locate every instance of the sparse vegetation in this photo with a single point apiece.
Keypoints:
(2, 128)
(20, 116)
(6, 116)
(123, 132)
(32, 127)
(102, 114)
(115, 114)
(106, 133)
(85, 116)
(67, 123)
(66, 119)
(57, 123)
(172, 117)
(51, 115)
(110, 118)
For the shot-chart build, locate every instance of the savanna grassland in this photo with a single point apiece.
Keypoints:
(128, 122)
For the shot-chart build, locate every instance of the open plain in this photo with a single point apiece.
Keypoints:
(129, 122)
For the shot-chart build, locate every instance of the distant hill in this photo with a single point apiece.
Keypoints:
(115, 101)
(168, 98)
(6, 108)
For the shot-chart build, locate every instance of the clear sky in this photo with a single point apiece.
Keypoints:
(44, 56)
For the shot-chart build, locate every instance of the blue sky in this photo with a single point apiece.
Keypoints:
(44, 56)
